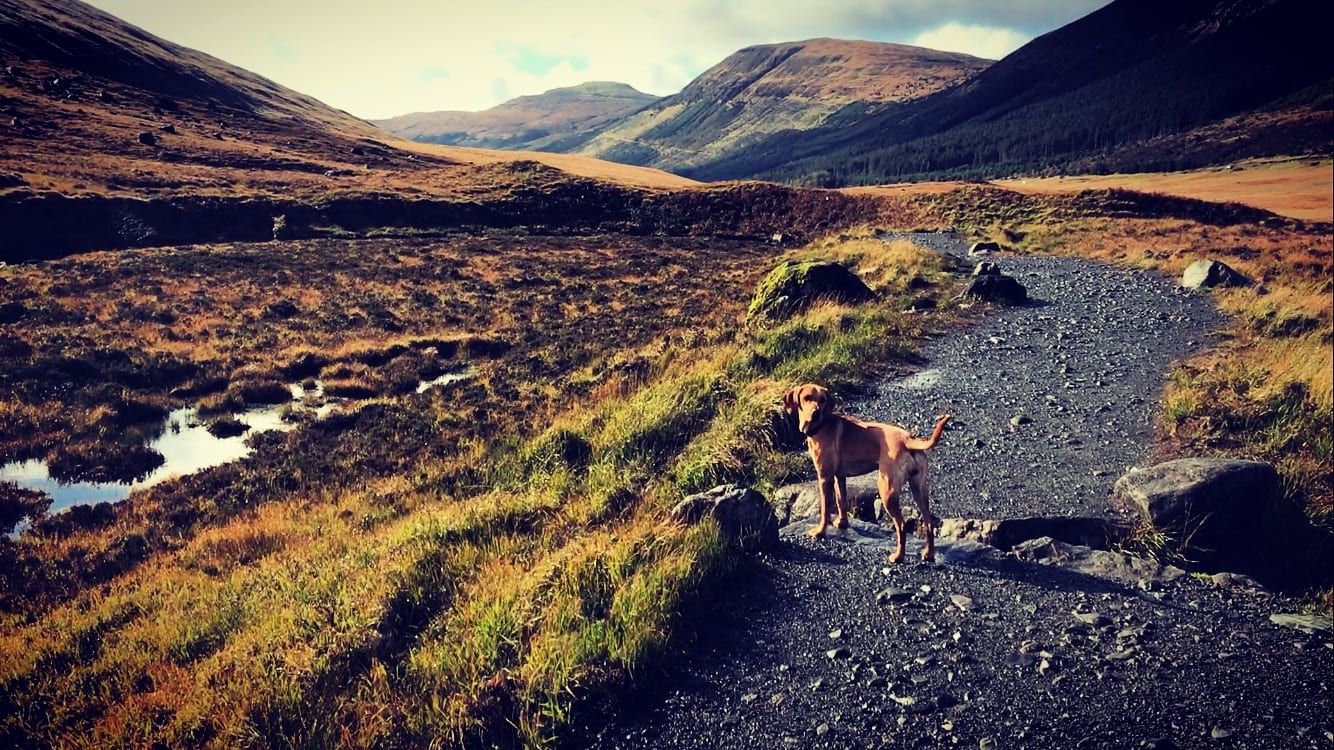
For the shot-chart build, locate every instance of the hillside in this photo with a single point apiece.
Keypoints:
(770, 88)
(115, 138)
(97, 110)
(1103, 86)
(556, 120)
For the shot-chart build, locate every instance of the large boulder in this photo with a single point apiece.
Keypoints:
(794, 286)
(744, 516)
(985, 247)
(994, 286)
(1211, 273)
(801, 502)
(1211, 504)
(1232, 515)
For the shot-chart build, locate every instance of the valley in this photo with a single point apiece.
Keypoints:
(479, 382)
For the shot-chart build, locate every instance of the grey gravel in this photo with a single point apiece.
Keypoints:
(1038, 656)
(1052, 402)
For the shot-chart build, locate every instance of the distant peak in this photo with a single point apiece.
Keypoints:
(599, 87)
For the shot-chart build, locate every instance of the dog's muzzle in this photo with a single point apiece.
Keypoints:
(813, 426)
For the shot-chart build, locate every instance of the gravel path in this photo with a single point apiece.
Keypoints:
(1053, 401)
(830, 647)
(827, 650)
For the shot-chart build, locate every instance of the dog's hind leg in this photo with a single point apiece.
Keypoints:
(889, 497)
(917, 479)
(841, 495)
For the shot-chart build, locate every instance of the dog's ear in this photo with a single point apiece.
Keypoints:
(790, 401)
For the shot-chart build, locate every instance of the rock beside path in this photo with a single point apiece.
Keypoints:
(993, 286)
(1230, 515)
(1207, 274)
(794, 286)
(1212, 503)
(744, 516)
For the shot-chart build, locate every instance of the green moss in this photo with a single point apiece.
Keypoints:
(794, 285)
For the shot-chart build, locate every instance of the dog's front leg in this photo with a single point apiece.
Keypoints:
(826, 490)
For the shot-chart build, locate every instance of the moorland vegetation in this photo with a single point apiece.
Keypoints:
(468, 562)
(461, 565)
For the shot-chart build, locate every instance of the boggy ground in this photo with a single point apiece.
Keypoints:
(99, 342)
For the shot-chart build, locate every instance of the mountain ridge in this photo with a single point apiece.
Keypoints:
(764, 88)
(749, 94)
(1131, 71)
(547, 121)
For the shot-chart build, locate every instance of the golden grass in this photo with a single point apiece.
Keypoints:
(1300, 188)
(474, 596)
(1296, 187)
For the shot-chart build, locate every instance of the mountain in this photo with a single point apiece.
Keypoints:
(65, 48)
(92, 105)
(1128, 73)
(111, 137)
(770, 88)
(557, 120)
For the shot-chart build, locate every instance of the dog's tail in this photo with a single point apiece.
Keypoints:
(918, 444)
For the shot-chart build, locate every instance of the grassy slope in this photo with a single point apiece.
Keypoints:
(470, 596)
(1296, 188)
(465, 563)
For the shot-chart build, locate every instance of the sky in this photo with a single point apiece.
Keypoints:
(382, 58)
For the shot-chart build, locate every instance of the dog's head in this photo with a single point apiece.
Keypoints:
(812, 405)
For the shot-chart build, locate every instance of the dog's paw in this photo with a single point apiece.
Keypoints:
(816, 532)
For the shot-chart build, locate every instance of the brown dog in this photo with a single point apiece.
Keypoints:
(842, 446)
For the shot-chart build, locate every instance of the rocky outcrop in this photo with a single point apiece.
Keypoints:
(1009, 533)
(744, 516)
(1116, 566)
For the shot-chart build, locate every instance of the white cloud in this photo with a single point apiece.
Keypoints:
(981, 41)
(392, 57)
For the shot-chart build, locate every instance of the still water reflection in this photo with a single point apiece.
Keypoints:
(185, 444)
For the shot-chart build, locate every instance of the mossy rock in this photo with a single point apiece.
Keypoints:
(794, 286)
